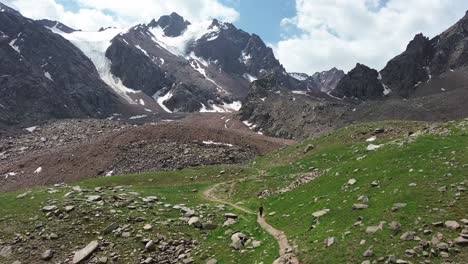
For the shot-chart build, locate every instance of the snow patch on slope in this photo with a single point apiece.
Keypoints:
(224, 108)
(178, 45)
(94, 46)
(161, 99)
(209, 142)
(142, 50)
(16, 48)
(298, 76)
(249, 77)
(47, 75)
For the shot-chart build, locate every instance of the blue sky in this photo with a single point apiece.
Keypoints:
(263, 17)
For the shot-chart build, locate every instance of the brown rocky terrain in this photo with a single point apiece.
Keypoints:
(72, 150)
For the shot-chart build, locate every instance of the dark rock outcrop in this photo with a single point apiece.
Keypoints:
(327, 81)
(136, 70)
(235, 51)
(404, 72)
(173, 25)
(44, 76)
(361, 82)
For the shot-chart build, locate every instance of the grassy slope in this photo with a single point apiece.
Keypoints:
(424, 160)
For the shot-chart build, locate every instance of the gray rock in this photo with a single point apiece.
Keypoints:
(47, 255)
(238, 241)
(329, 241)
(452, 225)
(231, 215)
(256, 244)
(21, 196)
(110, 228)
(150, 246)
(363, 199)
(229, 222)
(360, 206)
(103, 260)
(461, 241)
(6, 251)
(394, 225)
(212, 261)
(368, 253)
(49, 208)
(309, 148)
(195, 222)
(320, 213)
(408, 236)
(94, 198)
(85, 253)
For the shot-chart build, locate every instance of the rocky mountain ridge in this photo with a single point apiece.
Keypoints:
(43, 76)
(428, 81)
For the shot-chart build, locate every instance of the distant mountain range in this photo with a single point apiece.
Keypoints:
(49, 70)
(428, 81)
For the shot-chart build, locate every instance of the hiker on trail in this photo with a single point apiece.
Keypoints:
(260, 210)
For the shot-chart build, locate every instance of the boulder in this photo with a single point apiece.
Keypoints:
(6, 251)
(110, 228)
(229, 222)
(49, 208)
(47, 255)
(150, 246)
(408, 236)
(85, 253)
(238, 241)
(329, 241)
(194, 221)
(212, 261)
(360, 206)
(231, 215)
(368, 253)
(452, 225)
(461, 241)
(309, 148)
(320, 213)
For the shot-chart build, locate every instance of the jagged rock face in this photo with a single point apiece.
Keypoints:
(143, 64)
(190, 97)
(426, 59)
(404, 72)
(235, 51)
(136, 70)
(275, 111)
(44, 76)
(324, 81)
(361, 82)
(50, 24)
(451, 48)
(173, 25)
(327, 81)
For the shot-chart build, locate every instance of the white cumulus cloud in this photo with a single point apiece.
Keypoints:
(340, 33)
(93, 14)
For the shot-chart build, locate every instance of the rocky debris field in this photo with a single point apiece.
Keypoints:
(72, 150)
(117, 225)
(55, 134)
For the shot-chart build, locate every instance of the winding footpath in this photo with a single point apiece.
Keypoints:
(285, 250)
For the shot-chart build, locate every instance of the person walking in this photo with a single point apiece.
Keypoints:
(260, 210)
